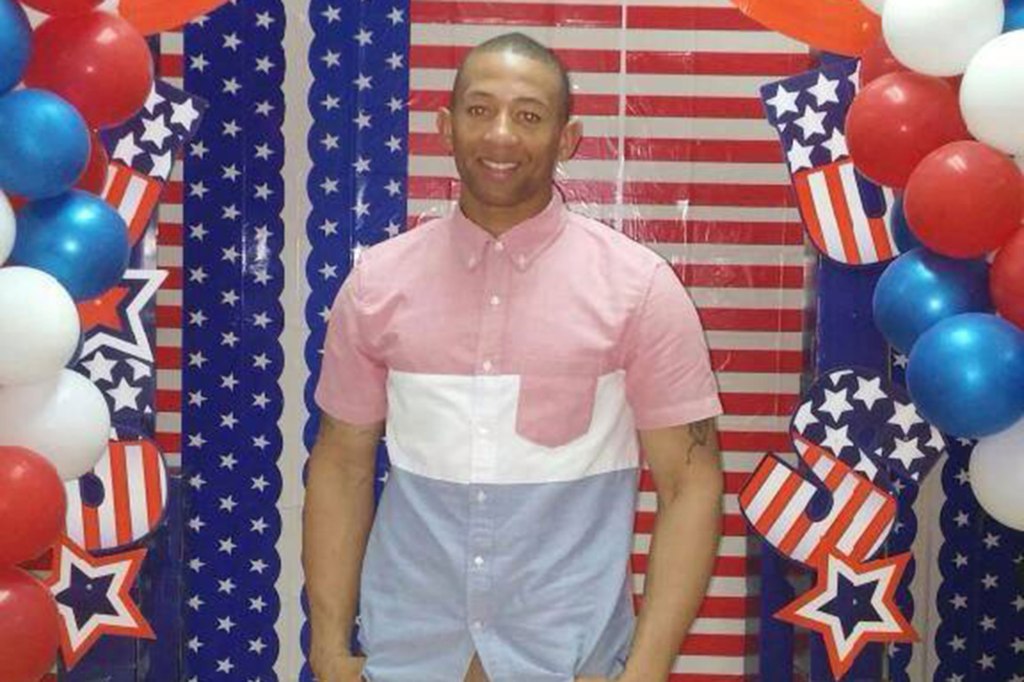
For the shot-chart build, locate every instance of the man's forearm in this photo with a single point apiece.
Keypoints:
(683, 549)
(337, 517)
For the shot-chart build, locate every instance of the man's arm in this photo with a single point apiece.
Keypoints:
(686, 466)
(337, 516)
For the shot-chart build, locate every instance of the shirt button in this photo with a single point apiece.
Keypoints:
(487, 365)
(499, 247)
(478, 624)
(471, 262)
(495, 300)
(482, 430)
(479, 561)
(481, 496)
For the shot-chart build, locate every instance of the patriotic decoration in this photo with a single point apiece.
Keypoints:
(677, 154)
(777, 501)
(149, 142)
(115, 321)
(843, 212)
(232, 281)
(134, 195)
(130, 480)
(93, 598)
(870, 424)
(852, 603)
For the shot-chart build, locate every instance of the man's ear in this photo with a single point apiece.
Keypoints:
(572, 133)
(444, 127)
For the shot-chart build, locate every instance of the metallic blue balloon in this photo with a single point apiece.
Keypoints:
(15, 43)
(76, 237)
(44, 144)
(966, 375)
(901, 233)
(1014, 18)
(921, 288)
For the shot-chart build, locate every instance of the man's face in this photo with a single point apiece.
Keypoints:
(507, 130)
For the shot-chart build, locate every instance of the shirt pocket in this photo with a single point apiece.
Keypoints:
(556, 402)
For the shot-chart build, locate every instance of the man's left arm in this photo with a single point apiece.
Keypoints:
(685, 463)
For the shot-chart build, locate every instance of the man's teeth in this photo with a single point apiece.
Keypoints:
(500, 166)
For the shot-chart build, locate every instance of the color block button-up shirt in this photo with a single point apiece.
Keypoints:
(513, 374)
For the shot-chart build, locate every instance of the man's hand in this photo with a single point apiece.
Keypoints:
(337, 668)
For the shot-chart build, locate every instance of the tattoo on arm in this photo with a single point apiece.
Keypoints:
(700, 433)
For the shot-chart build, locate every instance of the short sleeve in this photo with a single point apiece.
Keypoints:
(668, 372)
(353, 383)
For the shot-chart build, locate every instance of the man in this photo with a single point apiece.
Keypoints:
(514, 350)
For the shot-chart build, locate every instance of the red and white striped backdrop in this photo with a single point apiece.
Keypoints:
(170, 235)
(678, 155)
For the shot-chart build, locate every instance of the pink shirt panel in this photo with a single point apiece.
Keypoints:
(560, 300)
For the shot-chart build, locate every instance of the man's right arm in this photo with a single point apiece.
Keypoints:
(337, 516)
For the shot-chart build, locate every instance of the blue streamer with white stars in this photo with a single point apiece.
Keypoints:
(231, 355)
(358, 145)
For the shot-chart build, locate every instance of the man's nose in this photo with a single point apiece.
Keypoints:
(501, 130)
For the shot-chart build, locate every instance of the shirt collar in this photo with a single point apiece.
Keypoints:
(522, 244)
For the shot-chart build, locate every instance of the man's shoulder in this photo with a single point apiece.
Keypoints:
(401, 252)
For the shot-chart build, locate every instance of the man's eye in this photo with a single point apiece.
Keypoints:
(476, 110)
(530, 117)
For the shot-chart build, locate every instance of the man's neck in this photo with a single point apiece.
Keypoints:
(497, 220)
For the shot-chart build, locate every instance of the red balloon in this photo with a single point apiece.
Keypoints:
(897, 120)
(94, 177)
(1006, 279)
(28, 627)
(96, 61)
(877, 61)
(32, 505)
(62, 7)
(964, 199)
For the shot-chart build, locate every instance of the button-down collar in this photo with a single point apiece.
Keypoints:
(522, 243)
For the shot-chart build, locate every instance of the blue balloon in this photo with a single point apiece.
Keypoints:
(901, 232)
(44, 144)
(966, 375)
(76, 237)
(922, 288)
(1014, 18)
(15, 43)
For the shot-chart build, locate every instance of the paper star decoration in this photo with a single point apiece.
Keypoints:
(104, 316)
(852, 604)
(93, 599)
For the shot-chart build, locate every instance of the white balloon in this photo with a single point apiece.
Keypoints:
(39, 323)
(875, 6)
(997, 475)
(65, 420)
(992, 93)
(939, 37)
(6, 228)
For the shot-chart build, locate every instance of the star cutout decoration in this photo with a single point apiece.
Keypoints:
(851, 604)
(93, 598)
(114, 320)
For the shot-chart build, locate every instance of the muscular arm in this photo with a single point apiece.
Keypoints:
(685, 463)
(337, 516)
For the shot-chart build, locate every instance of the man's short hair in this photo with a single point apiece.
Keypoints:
(523, 45)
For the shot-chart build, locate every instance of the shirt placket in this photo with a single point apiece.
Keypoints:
(480, 547)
